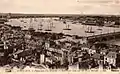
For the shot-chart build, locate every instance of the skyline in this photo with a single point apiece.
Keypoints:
(60, 6)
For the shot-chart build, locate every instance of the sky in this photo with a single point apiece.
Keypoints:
(60, 6)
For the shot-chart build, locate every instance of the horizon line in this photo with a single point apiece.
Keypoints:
(67, 14)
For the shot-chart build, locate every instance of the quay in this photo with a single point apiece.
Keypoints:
(104, 37)
(105, 34)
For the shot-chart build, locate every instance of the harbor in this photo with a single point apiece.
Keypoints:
(58, 43)
(76, 29)
(58, 26)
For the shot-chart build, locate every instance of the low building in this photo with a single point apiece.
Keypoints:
(110, 58)
(83, 40)
(74, 67)
(47, 44)
(96, 58)
(42, 58)
(103, 52)
(16, 28)
(84, 47)
(58, 54)
(27, 36)
(91, 51)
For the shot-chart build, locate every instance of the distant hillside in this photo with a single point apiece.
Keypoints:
(21, 15)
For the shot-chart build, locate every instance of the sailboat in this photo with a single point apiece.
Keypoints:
(89, 30)
(49, 28)
(24, 21)
(67, 27)
(35, 19)
(31, 26)
(21, 20)
(51, 23)
(40, 26)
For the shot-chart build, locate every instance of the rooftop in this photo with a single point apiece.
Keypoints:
(104, 51)
(111, 54)
(96, 56)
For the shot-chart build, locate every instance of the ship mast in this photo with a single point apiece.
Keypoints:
(90, 29)
(67, 26)
(31, 26)
(35, 19)
(49, 26)
(40, 26)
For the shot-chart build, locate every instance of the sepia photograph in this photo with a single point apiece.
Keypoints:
(37, 35)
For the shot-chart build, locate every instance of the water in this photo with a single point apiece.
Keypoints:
(77, 29)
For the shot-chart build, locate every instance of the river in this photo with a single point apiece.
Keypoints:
(76, 29)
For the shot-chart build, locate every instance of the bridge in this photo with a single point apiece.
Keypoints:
(103, 37)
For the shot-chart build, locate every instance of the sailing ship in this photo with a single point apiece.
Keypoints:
(21, 20)
(67, 27)
(24, 22)
(89, 30)
(8, 15)
(31, 26)
(35, 19)
(48, 28)
(40, 26)
(52, 25)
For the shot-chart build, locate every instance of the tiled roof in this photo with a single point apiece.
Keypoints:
(96, 56)
(104, 51)
(111, 55)
(83, 45)
(93, 47)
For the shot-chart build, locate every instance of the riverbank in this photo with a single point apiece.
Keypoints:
(76, 29)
